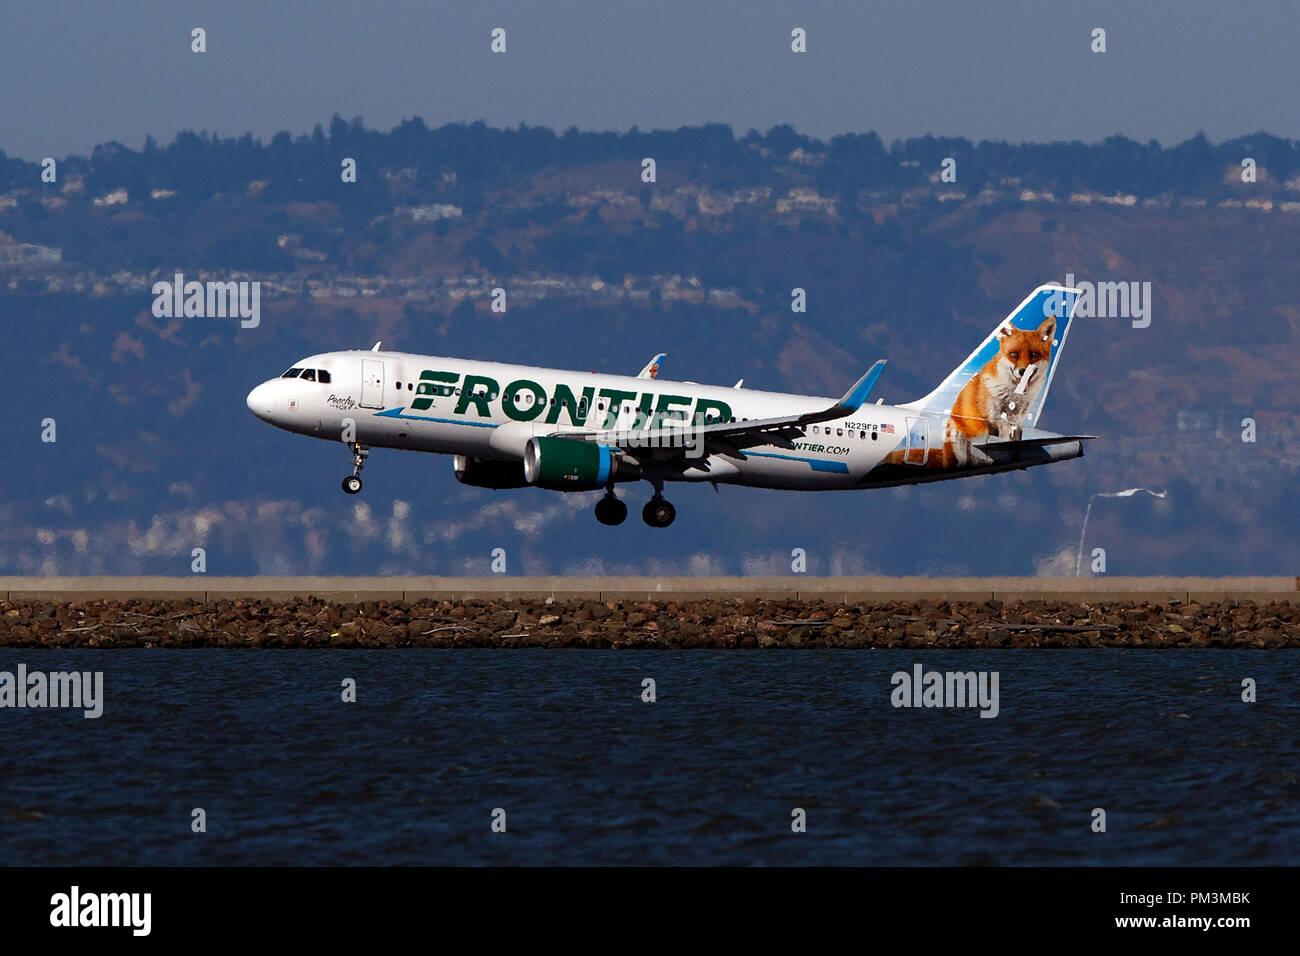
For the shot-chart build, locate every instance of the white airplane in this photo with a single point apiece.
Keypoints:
(514, 426)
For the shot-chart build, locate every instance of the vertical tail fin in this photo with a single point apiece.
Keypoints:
(1003, 383)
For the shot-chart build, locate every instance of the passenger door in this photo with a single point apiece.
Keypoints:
(917, 444)
(372, 383)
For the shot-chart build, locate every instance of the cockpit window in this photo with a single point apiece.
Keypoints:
(323, 376)
(309, 374)
(292, 373)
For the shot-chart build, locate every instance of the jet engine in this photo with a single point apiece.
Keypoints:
(562, 464)
(489, 472)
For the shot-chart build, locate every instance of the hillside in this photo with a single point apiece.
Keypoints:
(156, 453)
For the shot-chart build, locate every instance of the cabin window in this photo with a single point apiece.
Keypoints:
(874, 436)
(399, 386)
(309, 375)
(292, 373)
(863, 435)
(839, 432)
(410, 386)
(323, 375)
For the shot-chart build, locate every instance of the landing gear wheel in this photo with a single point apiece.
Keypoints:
(352, 483)
(611, 511)
(658, 513)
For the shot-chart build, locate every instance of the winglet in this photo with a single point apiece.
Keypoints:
(854, 397)
(376, 347)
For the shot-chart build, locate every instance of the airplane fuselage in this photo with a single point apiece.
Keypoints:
(489, 411)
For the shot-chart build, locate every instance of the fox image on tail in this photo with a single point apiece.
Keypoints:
(995, 397)
(995, 400)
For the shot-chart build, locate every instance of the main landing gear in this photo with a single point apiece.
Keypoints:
(352, 483)
(609, 510)
(658, 512)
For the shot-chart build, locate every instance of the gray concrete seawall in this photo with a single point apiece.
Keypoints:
(198, 587)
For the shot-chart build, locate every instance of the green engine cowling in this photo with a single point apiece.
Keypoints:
(562, 464)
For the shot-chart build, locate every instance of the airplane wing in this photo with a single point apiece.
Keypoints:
(733, 436)
(651, 369)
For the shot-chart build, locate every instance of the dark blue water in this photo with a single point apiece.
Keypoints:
(587, 773)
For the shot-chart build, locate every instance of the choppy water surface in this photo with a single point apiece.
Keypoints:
(588, 773)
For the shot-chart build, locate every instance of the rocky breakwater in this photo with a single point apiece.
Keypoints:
(636, 624)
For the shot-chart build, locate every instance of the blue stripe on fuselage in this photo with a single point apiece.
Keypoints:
(397, 413)
(816, 464)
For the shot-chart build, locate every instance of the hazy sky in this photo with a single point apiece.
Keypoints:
(76, 74)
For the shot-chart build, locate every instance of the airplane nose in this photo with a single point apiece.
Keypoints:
(259, 401)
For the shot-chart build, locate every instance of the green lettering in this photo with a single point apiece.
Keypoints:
(528, 412)
(663, 413)
(425, 387)
(578, 410)
(470, 394)
(644, 410)
(616, 398)
(709, 411)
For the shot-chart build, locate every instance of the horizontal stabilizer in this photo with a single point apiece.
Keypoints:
(1035, 442)
(1037, 449)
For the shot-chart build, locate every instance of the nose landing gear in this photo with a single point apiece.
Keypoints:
(352, 483)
